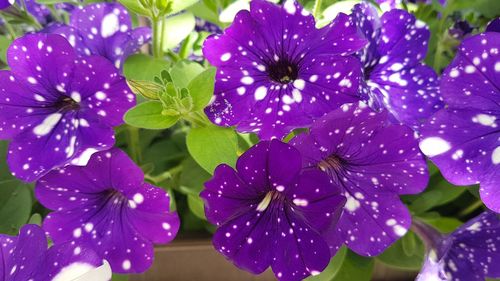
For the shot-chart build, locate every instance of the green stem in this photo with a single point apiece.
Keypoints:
(9, 28)
(165, 175)
(157, 23)
(197, 119)
(474, 206)
(317, 8)
(133, 142)
(162, 35)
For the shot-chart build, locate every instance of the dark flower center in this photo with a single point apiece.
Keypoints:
(66, 104)
(332, 165)
(270, 197)
(283, 71)
(367, 71)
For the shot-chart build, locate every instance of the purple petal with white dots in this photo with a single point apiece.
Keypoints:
(469, 253)
(372, 162)
(103, 29)
(274, 78)
(56, 108)
(395, 78)
(25, 253)
(472, 80)
(258, 215)
(26, 257)
(107, 205)
(463, 139)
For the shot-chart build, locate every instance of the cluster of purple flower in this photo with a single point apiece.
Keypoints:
(361, 88)
(59, 103)
(372, 108)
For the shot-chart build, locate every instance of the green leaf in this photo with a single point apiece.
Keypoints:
(4, 171)
(136, 7)
(443, 224)
(409, 242)
(196, 206)
(346, 266)
(203, 11)
(4, 45)
(148, 115)
(438, 193)
(211, 146)
(177, 28)
(184, 71)
(15, 206)
(355, 267)
(35, 219)
(201, 88)
(333, 267)
(193, 177)
(406, 253)
(179, 5)
(143, 67)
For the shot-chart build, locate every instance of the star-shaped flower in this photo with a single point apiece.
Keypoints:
(25, 257)
(395, 77)
(269, 213)
(463, 140)
(103, 29)
(372, 162)
(108, 205)
(57, 108)
(470, 253)
(277, 72)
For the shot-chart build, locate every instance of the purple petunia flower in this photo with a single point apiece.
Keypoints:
(103, 29)
(395, 77)
(470, 253)
(57, 109)
(107, 205)
(494, 26)
(277, 72)
(373, 162)
(6, 3)
(269, 213)
(25, 257)
(463, 140)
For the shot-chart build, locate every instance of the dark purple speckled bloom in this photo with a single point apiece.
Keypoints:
(269, 213)
(108, 205)
(372, 162)
(25, 257)
(277, 72)
(103, 29)
(470, 253)
(57, 108)
(463, 140)
(395, 77)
